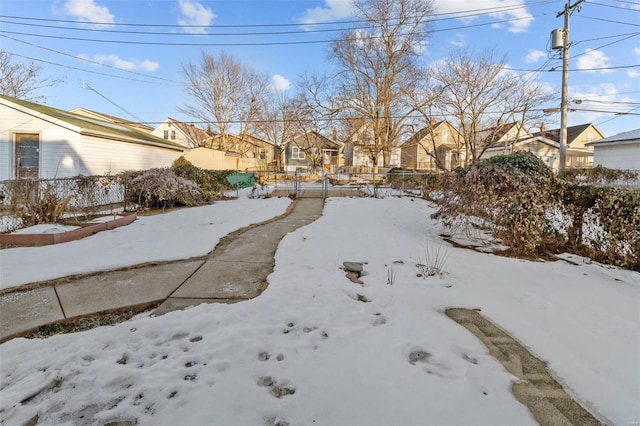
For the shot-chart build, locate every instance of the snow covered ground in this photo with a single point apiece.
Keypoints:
(317, 349)
(180, 234)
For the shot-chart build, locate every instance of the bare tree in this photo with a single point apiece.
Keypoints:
(22, 80)
(311, 122)
(378, 68)
(479, 93)
(277, 120)
(226, 94)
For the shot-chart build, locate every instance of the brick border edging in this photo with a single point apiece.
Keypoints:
(35, 240)
(546, 399)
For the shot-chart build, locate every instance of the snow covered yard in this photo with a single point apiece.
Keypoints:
(318, 349)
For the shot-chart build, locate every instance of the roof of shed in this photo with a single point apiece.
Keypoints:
(89, 125)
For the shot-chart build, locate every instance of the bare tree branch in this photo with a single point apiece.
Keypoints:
(378, 69)
(478, 94)
(225, 93)
(20, 80)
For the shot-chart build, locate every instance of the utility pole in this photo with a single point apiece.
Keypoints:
(564, 104)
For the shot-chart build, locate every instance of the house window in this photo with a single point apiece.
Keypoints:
(27, 155)
(173, 135)
(297, 153)
(262, 154)
(445, 136)
(589, 137)
(165, 134)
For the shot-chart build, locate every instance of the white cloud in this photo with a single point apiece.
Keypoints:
(279, 83)
(517, 12)
(459, 41)
(633, 74)
(636, 51)
(592, 60)
(534, 55)
(194, 13)
(88, 10)
(332, 11)
(598, 97)
(421, 47)
(131, 64)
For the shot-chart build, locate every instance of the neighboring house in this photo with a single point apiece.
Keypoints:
(545, 145)
(251, 152)
(38, 141)
(502, 136)
(359, 155)
(310, 151)
(111, 119)
(577, 136)
(186, 135)
(621, 151)
(436, 147)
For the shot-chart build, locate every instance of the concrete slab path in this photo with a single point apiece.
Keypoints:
(236, 270)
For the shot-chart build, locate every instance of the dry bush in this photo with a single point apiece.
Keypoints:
(160, 188)
(599, 175)
(34, 201)
(536, 214)
(510, 195)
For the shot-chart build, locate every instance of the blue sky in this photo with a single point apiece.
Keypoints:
(138, 76)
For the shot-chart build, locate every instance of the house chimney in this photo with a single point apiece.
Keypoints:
(500, 122)
(335, 134)
(433, 121)
(542, 128)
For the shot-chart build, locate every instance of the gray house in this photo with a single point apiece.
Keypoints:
(311, 151)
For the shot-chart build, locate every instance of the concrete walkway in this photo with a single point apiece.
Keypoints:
(236, 270)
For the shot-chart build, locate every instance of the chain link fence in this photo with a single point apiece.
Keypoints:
(25, 202)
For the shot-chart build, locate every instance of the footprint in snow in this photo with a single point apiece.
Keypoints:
(378, 319)
(277, 389)
(266, 356)
(433, 365)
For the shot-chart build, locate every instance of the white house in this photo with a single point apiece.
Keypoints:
(546, 145)
(187, 135)
(621, 151)
(38, 141)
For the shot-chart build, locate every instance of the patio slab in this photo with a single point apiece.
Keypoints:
(23, 311)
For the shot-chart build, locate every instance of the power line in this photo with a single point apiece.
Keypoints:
(609, 20)
(274, 43)
(606, 37)
(603, 111)
(578, 69)
(80, 58)
(450, 15)
(615, 7)
(83, 70)
(459, 15)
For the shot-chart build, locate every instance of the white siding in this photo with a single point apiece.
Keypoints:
(100, 156)
(180, 138)
(623, 156)
(58, 146)
(65, 152)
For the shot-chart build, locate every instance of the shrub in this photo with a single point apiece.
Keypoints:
(212, 182)
(161, 188)
(524, 162)
(536, 214)
(34, 201)
(600, 175)
(510, 199)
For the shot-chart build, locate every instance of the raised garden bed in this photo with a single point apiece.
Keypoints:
(84, 230)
